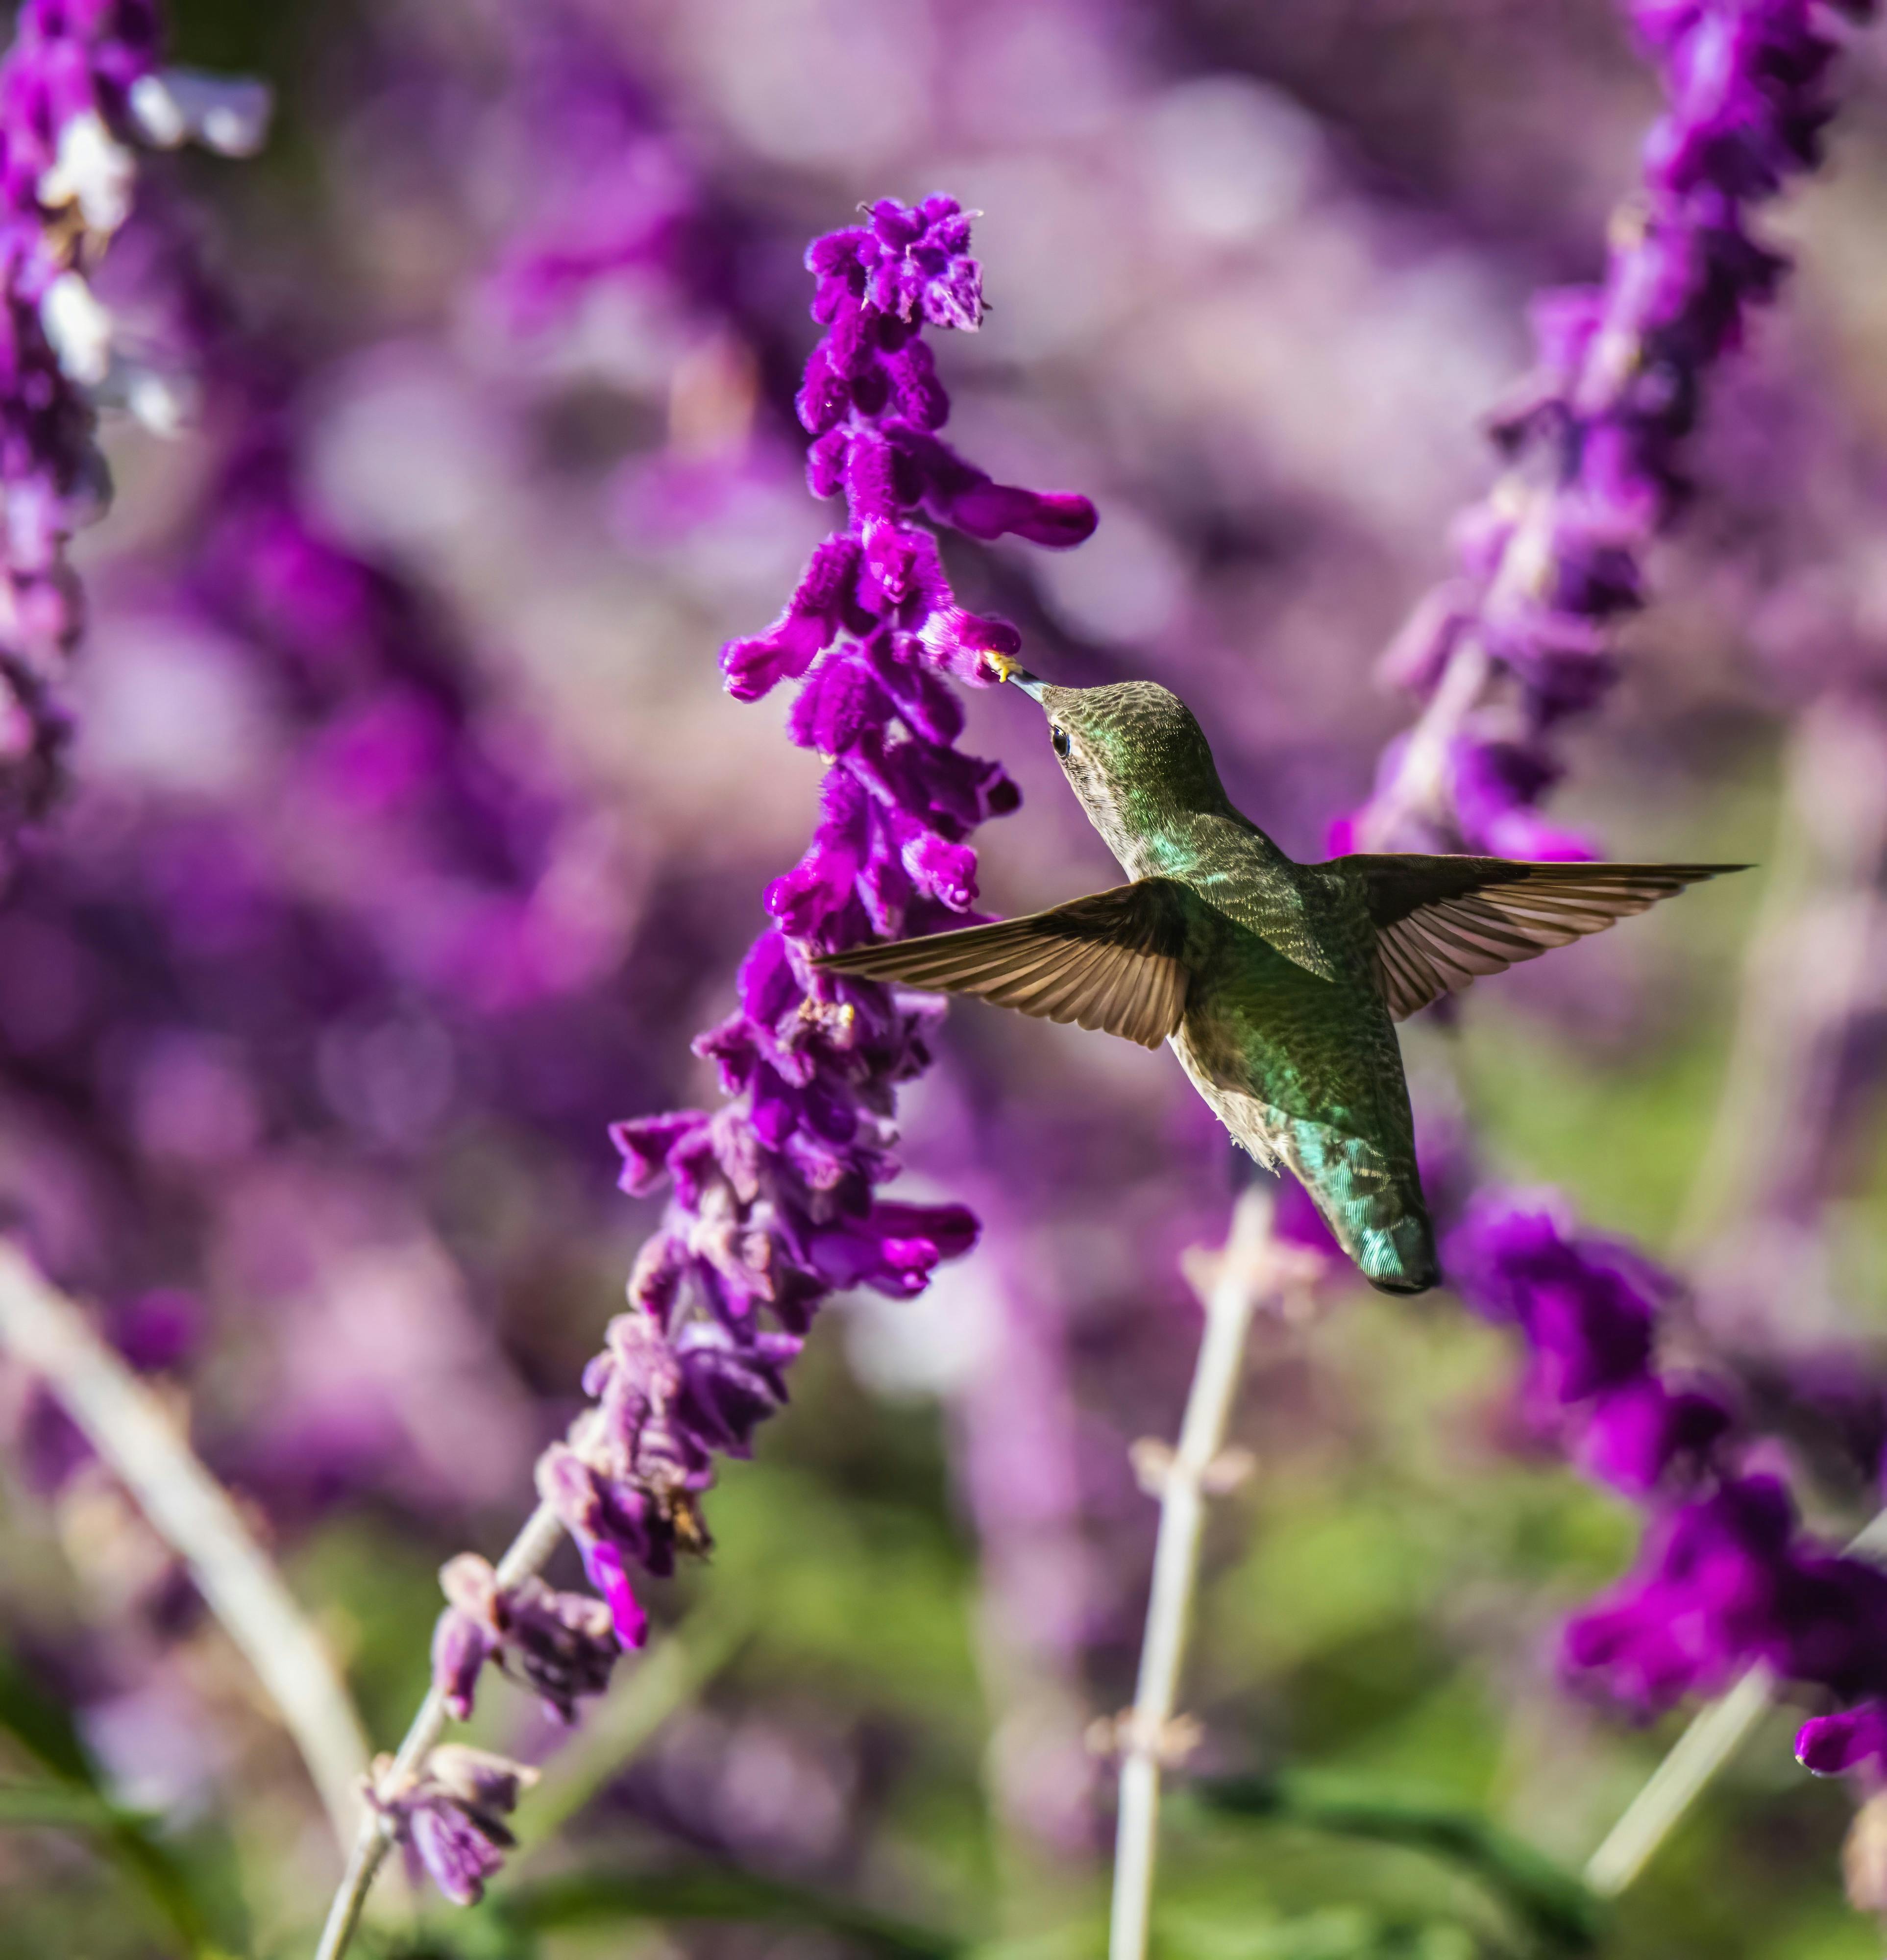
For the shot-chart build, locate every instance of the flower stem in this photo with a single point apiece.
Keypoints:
(529, 1553)
(1716, 1734)
(133, 1435)
(1229, 1304)
(666, 1679)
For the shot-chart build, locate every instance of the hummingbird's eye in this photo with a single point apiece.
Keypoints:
(1058, 740)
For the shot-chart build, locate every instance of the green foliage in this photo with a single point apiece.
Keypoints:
(1340, 1932)
(42, 1726)
(714, 1893)
(180, 1890)
(1554, 1907)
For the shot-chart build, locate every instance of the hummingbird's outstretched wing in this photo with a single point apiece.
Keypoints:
(1441, 922)
(1112, 960)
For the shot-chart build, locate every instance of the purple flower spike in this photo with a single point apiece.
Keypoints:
(1726, 1580)
(1520, 639)
(774, 1200)
(79, 86)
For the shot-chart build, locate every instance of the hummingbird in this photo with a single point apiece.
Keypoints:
(1277, 984)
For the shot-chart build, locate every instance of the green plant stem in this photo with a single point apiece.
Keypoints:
(1230, 1303)
(529, 1553)
(146, 1451)
(667, 1679)
(1716, 1734)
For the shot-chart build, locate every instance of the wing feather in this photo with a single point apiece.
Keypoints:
(1443, 922)
(1111, 961)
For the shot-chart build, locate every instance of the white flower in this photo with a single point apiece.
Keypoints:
(227, 114)
(79, 329)
(92, 169)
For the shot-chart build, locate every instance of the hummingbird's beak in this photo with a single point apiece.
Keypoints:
(1009, 669)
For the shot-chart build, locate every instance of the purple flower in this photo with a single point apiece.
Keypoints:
(1635, 1433)
(461, 1645)
(1728, 1581)
(603, 1563)
(78, 84)
(450, 1818)
(774, 1203)
(774, 1199)
(1586, 1307)
(1851, 1739)
(562, 1645)
(1496, 784)
(596, 1509)
(1706, 1602)
(1553, 556)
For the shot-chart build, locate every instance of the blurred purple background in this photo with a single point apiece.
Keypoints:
(409, 837)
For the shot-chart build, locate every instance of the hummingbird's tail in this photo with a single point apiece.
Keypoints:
(1403, 1259)
(1374, 1208)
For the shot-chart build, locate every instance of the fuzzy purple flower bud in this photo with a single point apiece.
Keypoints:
(450, 1818)
(562, 1645)
(461, 1645)
(603, 1563)
(1851, 1739)
(457, 1849)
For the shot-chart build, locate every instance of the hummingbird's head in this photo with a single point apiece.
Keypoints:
(1132, 752)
